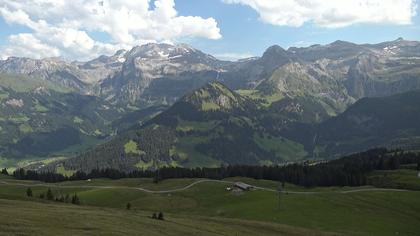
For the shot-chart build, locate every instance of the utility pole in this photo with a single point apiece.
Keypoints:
(156, 166)
(279, 190)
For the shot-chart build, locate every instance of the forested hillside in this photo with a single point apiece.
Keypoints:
(215, 126)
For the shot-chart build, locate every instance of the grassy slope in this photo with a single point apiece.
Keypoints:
(285, 149)
(361, 213)
(29, 218)
(24, 84)
(406, 179)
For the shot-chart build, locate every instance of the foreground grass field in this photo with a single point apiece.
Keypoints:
(319, 210)
(34, 218)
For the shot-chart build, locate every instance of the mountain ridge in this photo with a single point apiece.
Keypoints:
(283, 88)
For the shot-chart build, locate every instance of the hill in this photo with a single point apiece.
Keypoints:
(373, 122)
(39, 119)
(208, 127)
(215, 126)
(207, 207)
(71, 220)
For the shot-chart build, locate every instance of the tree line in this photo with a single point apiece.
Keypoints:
(49, 195)
(351, 170)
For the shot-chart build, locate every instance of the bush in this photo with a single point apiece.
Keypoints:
(29, 192)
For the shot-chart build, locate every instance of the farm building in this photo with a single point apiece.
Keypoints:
(243, 186)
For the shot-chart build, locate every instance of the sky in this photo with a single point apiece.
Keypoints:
(228, 29)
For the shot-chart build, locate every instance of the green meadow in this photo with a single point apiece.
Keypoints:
(206, 208)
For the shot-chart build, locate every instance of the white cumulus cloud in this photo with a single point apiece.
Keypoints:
(332, 13)
(233, 56)
(64, 27)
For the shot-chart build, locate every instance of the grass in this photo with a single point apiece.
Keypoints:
(19, 119)
(266, 100)
(21, 83)
(144, 165)
(402, 178)
(131, 148)
(287, 150)
(185, 148)
(186, 126)
(358, 213)
(3, 95)
(209, 106)
(25, 128)
(78, 120)
(29, 218)
(61, 170)
(40, 108)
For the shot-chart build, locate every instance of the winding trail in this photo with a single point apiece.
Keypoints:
(13, 183)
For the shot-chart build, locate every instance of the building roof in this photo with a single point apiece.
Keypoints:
(243, 185)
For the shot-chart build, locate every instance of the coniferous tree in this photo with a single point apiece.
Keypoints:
(67, 198)
(50, 195)
(4, 171)
(128, 206)
(75, 200)
(156, 177)
(29, 192)
(42, 195)
(160, 216)
(394, 163)
(154, 216)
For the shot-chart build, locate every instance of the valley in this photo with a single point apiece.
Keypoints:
(210, 117)
(285, 106)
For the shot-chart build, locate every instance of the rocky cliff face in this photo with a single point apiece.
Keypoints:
(155, 65)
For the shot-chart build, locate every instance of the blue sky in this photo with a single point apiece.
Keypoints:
(244, 33)
(225, 28)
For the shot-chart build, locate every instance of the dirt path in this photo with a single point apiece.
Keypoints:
(2, 182)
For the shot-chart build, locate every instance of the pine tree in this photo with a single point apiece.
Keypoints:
(4, 171)
(154, 216)
(50, 195)
(128, 207)
(29, 192)
(75, 200)
(156, 177)
(394, 163)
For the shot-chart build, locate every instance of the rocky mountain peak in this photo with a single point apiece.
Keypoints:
(274, 50)
(341, 43)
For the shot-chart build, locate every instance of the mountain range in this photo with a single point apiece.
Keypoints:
(175, 105)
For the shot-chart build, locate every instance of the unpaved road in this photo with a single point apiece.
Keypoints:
(13, 183)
